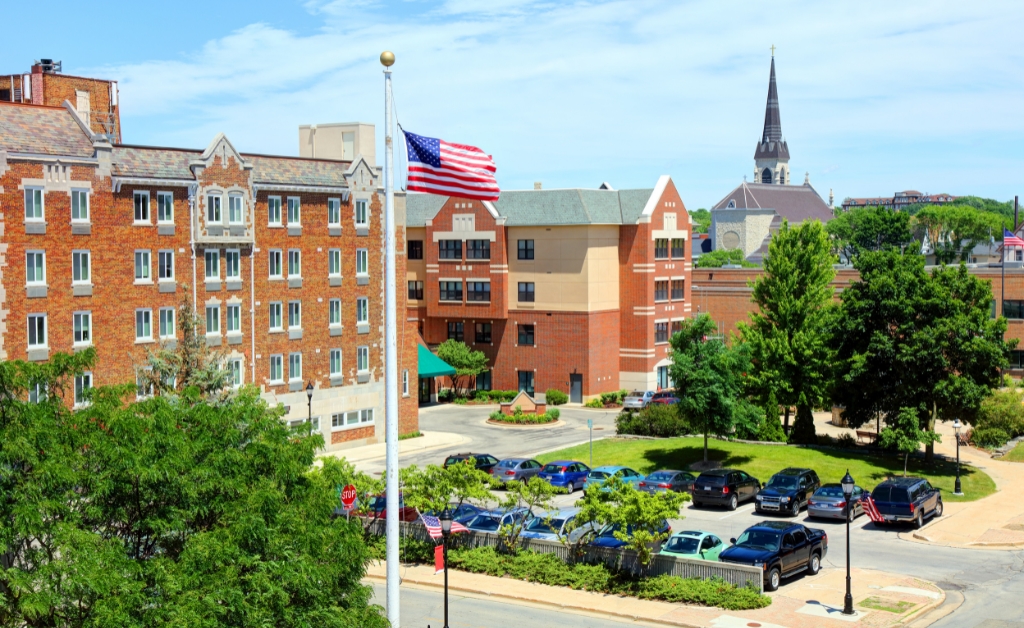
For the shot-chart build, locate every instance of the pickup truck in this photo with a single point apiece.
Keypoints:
(780, 548)
(907, 499)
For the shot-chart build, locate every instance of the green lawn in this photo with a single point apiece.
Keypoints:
(1015, 455)
(762, 461)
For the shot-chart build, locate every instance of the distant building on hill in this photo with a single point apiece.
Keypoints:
(899, 200)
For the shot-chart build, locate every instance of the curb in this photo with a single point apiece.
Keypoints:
(462, 440)
(929, 617)
(503, 424)
(918, 616)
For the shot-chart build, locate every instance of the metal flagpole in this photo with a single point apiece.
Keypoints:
(387, 59)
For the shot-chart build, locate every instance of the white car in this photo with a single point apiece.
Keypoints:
(638, 399)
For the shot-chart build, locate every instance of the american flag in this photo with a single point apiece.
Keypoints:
(1011, 240)
(437, 167)
(872, 510)
(433, 525)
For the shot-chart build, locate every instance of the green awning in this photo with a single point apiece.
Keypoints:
(430, 365)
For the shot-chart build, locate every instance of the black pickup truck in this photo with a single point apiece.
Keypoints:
(907, 500)
(780, 548)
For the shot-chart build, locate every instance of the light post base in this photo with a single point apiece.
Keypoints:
(848, 603)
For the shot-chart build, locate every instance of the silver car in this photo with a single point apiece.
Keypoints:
(549, 525)
(828, 502)
(512, 469)
(638, 399)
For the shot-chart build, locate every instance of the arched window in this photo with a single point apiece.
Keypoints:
(766, 175)
(782, 176)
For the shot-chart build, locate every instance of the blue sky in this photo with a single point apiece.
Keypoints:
(875, 96)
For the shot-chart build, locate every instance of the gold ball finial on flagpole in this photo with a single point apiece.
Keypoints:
(387, 58)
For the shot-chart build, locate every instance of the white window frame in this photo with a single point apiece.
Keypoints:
(294, 358)
(296, 308)
(81, 322)
(334, 212)
(164, 200)
(361, 206)
(277, 359)
(294, 255)
(83, 383)
(279, 308)
(41, 255)
(30, 330)
(237, 262)
(239, 200)
(167, 254)
(362, 262)
(405, 383)
(334, 259)
(362, 311)
(351, 419)
(234, 309)
(143, 323)
(335, 355)
(297, 206)
(213, 254)
(334, 312)
(37, 204)
(363, 359)
(214, 309)
(76, 264)
(165, 314)
(214, 208)
(235, 368)
(274, 215)
(145, 256)
(83, 195)
(136, 207)
(274, 255)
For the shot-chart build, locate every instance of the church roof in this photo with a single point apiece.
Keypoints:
(795, 203)
(772, 146)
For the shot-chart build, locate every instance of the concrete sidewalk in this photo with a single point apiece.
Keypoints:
(429, 440)
(803, 602)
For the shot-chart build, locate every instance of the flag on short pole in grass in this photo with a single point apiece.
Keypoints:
(439, 167)
(1009, 239)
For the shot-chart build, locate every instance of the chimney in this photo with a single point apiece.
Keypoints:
(536, 185)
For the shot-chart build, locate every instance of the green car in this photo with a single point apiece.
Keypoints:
(693, 544)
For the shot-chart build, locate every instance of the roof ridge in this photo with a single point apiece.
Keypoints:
(586, 210)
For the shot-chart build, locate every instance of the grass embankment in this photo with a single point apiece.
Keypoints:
(762, 461)
(1015, 455)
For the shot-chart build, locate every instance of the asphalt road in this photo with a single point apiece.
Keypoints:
(989, 583)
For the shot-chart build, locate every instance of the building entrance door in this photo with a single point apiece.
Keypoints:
(425, 389)
(576, 387)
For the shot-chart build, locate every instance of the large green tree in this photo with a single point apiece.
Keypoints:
(870, 228)
(173, 511)
(704, 372)
(953, 231)
(788, 334)
(466, 362)
(909, 339)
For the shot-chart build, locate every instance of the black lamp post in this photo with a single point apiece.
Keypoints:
(446, 529)
(957, 489)
(309, 402)
(848, 484)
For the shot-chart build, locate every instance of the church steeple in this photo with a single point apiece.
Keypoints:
(771, 157)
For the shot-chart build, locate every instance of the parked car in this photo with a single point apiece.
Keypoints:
(607, 538)
(550, 525)
(907, 499)
(667, 480)
(484, 462)
(828, 502)
(780, 548)
(787, 491)
(377, 509)
(492, 520)
(666, 397)
(724, 487)
(515, 469)
(596, 478)
(694, 544)
(460, 512)
(638, 399)
(567, 474)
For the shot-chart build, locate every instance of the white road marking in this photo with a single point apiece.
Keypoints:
(912, 591)
(747, 508)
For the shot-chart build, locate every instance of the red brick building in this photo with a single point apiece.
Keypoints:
(281, 256)
(574, 289)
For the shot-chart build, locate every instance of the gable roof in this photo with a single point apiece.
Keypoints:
(795, 203)
(42, 131)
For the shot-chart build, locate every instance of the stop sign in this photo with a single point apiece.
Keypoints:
(348, 496)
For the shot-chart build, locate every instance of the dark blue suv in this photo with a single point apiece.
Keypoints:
(787, 492)
(908, 500)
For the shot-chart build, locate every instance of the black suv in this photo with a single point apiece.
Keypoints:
(907, 499)
(780, 548)
(724, 487)
(787, 491)
(484, 462)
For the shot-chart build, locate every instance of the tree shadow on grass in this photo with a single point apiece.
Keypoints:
(682, 457)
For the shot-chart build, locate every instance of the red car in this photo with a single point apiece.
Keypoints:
(666, 397)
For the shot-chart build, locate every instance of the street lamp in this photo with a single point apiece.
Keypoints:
(848, 484)
(309, 401)
(957, 489)
(446, 529)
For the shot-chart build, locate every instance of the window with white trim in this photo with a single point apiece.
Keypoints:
(276, 372)
(275, 316)
(294, 211)
(142, 267)
(79, 205)
(167, 328)
(236, 209)
(81, 267)
(362, 218)
(342, 420)
(334, 312)
(212, 259)
(83, 383)
(335, 362)
(274, 211)
(37, 393)
(362, 262)
(295, 315)
(334, 263)
(141, 201)
(165, 266)
(234, 322)
(334, 212)
(212, 320)
(294, 263)
(143, 325)
(213, 209)
(37, 331)
(33, 204)
(164, 208)
(35, 268)
(405, 383)
(274, 258)
(82, 329)
(295, 367)
(233, 264)
(362, 359)
(362, 310)
(235, 370)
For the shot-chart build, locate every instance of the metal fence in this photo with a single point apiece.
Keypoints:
(739, 575)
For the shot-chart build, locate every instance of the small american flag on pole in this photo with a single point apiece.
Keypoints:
(1011, 240)
(438, 167)
(433, 525)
